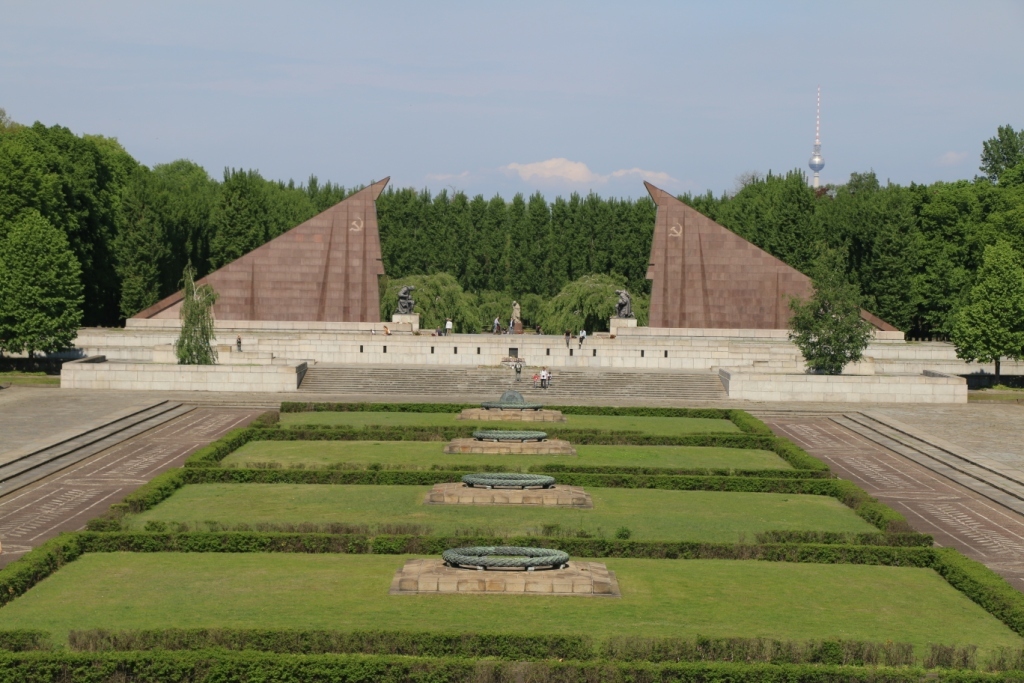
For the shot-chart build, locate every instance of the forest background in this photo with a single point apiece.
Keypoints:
(914, 251)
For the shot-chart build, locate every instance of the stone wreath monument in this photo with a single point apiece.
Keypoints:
(511, 407)
(510, 442)
(508, 488)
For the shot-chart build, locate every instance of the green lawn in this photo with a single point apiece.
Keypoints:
(15, 378)
(424, 454)
(659, 426)
(651, 514)
(659, 598)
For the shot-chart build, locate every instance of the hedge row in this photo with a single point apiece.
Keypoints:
(551, 468)
(742, 419)
(519, 647)
(906, 539)
(246, 667)
(24, 640)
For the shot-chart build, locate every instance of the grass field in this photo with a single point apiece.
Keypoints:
(658, 426)
(659, 598)
(424, 454)
(651, 514)
(28, 379)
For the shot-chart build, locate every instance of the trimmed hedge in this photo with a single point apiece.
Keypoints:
(24, 640)
(905, 539)
(407, 643)
(515, 647)
(37, 564)
(982, 585)
(209, 666)
(700, 472)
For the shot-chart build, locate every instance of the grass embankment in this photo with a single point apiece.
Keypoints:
(656, 426)
(660, 598)
(28, 379)
(424, 454)
(650, 514)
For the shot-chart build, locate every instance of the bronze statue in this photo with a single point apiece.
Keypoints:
(405, 300)
(624, 307)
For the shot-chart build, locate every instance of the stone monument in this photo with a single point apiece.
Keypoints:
(704, 275)
(623, 312)
(324, 270)
(511, 407)
(517, 322)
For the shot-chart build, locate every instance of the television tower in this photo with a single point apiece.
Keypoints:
(817, 163)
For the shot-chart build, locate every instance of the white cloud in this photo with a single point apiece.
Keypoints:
(578, 173)
(952, 158)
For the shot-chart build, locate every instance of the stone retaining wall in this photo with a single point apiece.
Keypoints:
(928, 387)
(97, 373)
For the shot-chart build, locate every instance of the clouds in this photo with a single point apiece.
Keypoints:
(563, 171)
(952, 158)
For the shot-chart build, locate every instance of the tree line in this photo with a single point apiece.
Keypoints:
(914, 251)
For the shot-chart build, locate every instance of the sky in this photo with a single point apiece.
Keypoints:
(507, 97)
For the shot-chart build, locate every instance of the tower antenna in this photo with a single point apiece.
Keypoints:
(817, 163)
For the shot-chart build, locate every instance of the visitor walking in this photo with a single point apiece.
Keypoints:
(238, 343)
(568, 336)
(497, 326)
(544, 378)
(447, 327)
(536, 379)
(519, 370)
(583, 337)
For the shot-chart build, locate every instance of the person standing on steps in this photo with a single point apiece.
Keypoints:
(519, 370)
(238, 343)
(583, 337)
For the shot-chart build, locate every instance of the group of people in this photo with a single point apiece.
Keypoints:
(443, 331)
(568, 338)
(543, 378)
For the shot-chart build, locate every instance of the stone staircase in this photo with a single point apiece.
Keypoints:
(570, 384)
(35, 461)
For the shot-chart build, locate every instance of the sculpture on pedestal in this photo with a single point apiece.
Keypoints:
(405, 300)
(515, 312)
(624, 307)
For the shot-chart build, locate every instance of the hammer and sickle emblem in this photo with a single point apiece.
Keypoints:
(357, 225)
(675, 230)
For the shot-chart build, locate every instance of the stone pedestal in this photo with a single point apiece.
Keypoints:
(412, 319)
(546, 447)
(579, 579)
(556, 496)
(511, 415)
(614, 323)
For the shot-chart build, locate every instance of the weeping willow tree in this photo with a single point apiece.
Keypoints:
(193, 346)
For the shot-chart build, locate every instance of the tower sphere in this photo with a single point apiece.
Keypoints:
(816, 163)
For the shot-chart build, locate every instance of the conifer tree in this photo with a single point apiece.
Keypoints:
(827, 328)
(40, 287)
(991, 325)
(193, 346)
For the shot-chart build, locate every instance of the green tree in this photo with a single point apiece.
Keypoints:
(585, 303)
(438, 297)
(1004, 151)
(40, 287)
(6, 123)
(827, 328)
(194, 342)
(140, 246)
(991, 325)
(242, 219)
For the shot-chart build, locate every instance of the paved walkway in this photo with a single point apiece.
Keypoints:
(36, 415)
(66, 500)
(955, 515)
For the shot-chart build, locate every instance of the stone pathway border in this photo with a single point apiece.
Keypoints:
(556, 496)
(579, 579)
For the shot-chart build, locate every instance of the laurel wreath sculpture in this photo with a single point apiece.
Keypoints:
(508, 435)
(490, 480)
(505, 557)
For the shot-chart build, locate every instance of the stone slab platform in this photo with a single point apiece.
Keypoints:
(579, 579)
(556, 496)
(546, 447)
(484, 415)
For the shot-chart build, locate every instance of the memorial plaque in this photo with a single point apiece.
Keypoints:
(325, 269)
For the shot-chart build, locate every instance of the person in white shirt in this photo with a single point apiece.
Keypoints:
(448, 327)
(583, 337)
